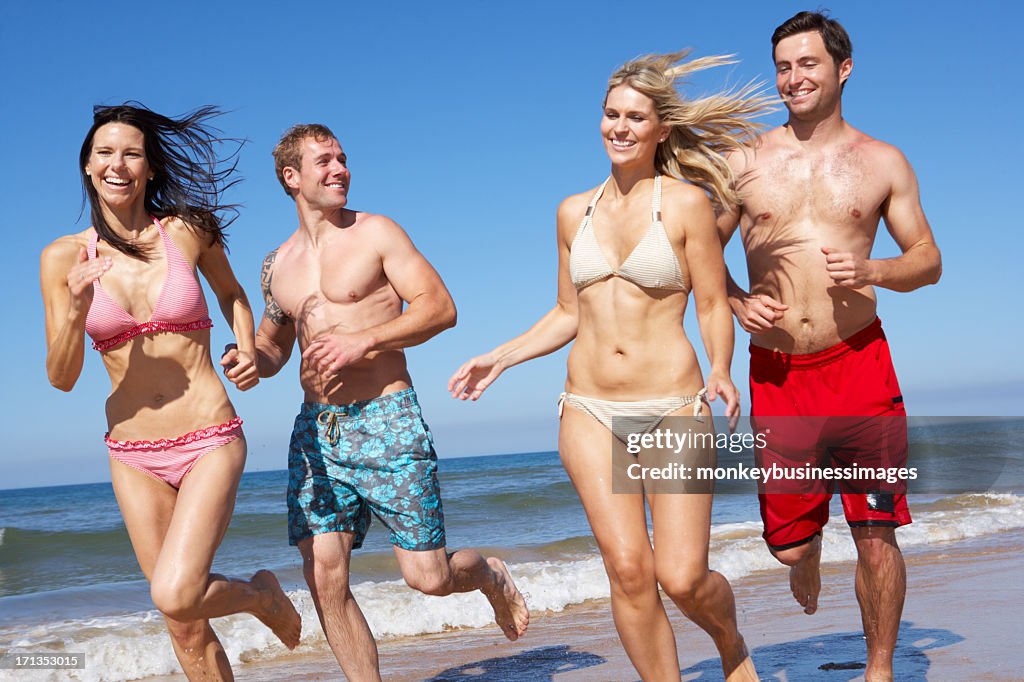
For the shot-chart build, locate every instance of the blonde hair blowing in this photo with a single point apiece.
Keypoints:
(702, 130)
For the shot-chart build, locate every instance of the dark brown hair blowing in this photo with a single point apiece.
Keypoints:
(189, 178)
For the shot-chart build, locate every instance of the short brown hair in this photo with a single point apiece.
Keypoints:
(835, 37)
(288, 151)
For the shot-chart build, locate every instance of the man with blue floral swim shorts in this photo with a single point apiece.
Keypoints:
(360, 447)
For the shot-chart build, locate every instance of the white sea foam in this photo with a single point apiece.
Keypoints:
(135, 646)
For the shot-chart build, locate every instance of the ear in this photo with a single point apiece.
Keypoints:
(665, 132)
(845, 69)
(88, 170)
(291, 177)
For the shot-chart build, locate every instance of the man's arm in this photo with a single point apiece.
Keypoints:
(920, 263)
(429, 310)
(756, 314)
(275, 336)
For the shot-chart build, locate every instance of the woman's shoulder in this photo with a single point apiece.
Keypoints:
(67, 246)
(682, 194)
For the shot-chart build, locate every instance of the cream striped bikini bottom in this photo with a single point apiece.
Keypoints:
(638, 416)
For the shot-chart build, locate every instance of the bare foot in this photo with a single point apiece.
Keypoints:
(510, 610)
(279, 615)
(805, 578)
(739, 667)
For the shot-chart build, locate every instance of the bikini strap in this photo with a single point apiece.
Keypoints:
(91, 248)
(597, 195)
(656, 200)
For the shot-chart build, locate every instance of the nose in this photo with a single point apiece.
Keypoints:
(621, 125)
(795, 77)
(117, 161)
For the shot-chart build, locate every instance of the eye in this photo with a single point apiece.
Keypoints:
(611, 114)
(636, 118)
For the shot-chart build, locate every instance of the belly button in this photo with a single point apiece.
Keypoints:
(158, 398)
(805, 320)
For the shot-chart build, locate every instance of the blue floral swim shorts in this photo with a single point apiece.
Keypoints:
(346, 461)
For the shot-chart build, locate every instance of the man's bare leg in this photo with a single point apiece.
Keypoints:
(881, 589)
(804, 572)
(325, 564)
(437, 573)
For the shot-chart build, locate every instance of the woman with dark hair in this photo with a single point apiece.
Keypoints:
(176, 445)
(632, 364)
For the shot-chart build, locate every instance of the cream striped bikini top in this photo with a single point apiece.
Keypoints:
(651, 265)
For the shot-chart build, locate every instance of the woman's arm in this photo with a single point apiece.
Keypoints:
(706, 264)
(554, 330)
(65, 277)
(239, 361)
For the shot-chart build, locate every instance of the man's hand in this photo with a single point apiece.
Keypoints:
(757, 313)
(239, 367)
(330, 353)
(848, 269)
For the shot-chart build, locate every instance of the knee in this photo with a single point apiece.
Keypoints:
(682, 585)
(326, 577)
(177, 600)
(434, 583)
(791, 556)
(631, 575)
(875, 552)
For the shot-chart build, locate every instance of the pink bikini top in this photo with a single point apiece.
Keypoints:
(180, 307)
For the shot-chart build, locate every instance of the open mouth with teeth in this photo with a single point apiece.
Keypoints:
(622, 144)
(336, 185)
(117, 182)
(798, 94)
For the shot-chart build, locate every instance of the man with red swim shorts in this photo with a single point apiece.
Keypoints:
(813, 193)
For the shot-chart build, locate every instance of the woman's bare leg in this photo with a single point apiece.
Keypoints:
(175, 535)
(619, 524)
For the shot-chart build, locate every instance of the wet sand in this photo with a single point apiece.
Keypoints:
(962, 621)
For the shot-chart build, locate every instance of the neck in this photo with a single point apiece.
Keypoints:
(820, 130)
(624, 179)
(127, 222)
(315, 222)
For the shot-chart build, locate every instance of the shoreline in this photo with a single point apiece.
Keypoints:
(968, 637)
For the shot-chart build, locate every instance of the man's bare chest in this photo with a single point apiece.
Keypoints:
(837, 189)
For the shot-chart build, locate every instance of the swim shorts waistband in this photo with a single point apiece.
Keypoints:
(385, 404)
(858, 341)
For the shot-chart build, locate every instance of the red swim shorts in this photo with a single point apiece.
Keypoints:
(841, 406)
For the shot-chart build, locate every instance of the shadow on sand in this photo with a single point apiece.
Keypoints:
(535, 665)
(836, 657)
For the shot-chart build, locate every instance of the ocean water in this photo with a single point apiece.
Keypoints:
(69, 581)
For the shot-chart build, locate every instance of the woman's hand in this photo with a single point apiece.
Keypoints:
(719, 384)
(81, 276)
(473, 378)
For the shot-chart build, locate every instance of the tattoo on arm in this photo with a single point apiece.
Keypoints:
(273, 311)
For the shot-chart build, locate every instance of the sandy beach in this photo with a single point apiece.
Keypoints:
(962, 621)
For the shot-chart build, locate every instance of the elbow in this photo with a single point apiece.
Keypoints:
(448, 316)
(936, 272)
(61, 383)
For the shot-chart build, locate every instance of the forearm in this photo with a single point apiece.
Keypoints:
(424, 318)
(734, 291)
(550, 333)
(238, 313)
(270, 357)
(718, 334)
(917, 267)
(65, 355)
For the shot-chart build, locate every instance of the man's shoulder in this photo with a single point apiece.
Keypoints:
(880, 156)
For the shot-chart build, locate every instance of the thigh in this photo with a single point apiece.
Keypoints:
(422, 564)
(327, 558)
(147, 505)
(205, 503)
(618, 520)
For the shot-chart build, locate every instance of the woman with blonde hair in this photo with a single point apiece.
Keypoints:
(176, 446)
(629, 253)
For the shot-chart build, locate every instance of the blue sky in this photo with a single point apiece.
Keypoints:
(468, 123)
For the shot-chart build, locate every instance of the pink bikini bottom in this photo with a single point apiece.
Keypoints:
(169, 459)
